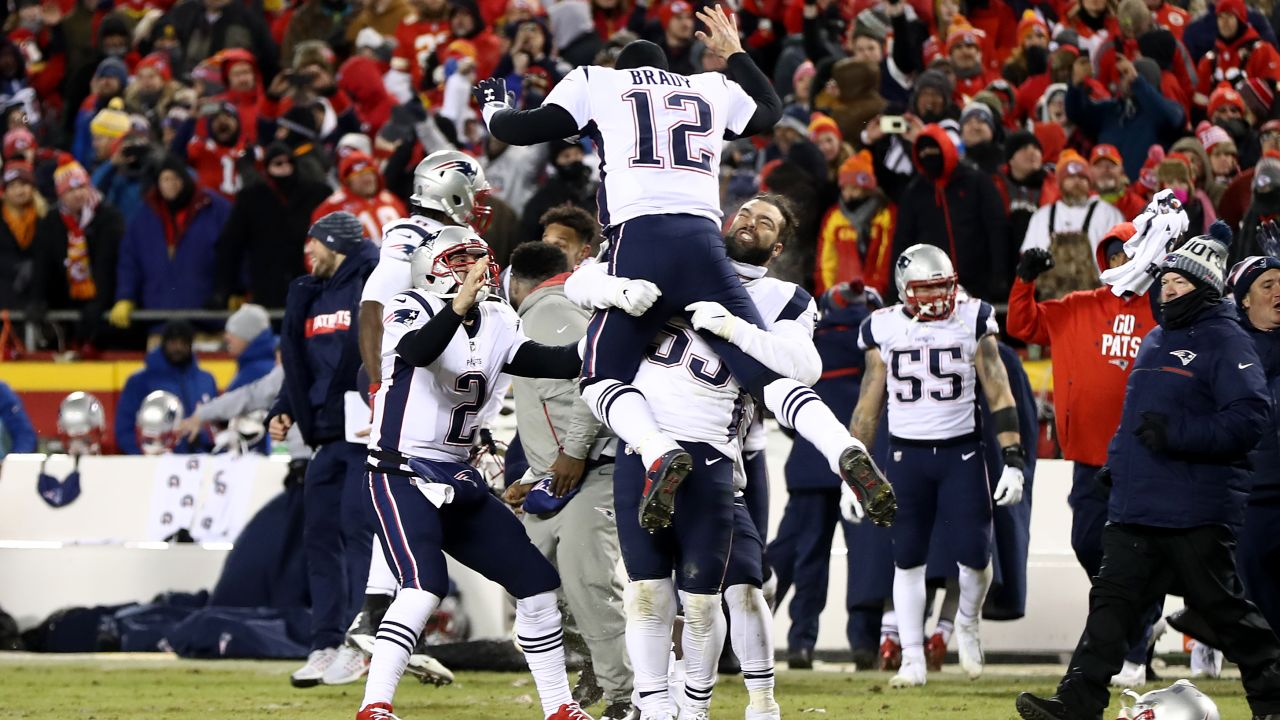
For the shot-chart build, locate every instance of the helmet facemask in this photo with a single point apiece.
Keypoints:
(932, 299)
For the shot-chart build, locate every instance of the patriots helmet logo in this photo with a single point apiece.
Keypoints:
(461, 166)
(903, 261)
(404, 316)
(1186, 356)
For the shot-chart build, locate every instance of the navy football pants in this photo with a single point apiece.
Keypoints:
(756, 493)
(338, 538)
(684, 256)
(1259, 558)
(746, 556)
(696, 546)
(942, 484)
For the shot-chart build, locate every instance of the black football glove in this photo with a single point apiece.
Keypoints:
(1034, 262)
(1153, 432)
(492, 90)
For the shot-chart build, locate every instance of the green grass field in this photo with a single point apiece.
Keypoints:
(42, 687)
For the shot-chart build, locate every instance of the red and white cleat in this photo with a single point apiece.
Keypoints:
(935, 652)
(376, 711)
(890, 654)
(568, 711)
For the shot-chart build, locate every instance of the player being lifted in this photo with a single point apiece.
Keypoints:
(930, 350)
(659, 135)
(448, 191)
(443, 350)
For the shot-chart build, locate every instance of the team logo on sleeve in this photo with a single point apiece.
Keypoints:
(404, 316)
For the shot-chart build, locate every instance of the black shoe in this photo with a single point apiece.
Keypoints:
(621, 710)
(729, 664)
(801, 659)
(587, 691)
(658, 503)
(865, 659)
(1031, 707)
(875, 493)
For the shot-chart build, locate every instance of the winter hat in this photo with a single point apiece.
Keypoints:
(1160, 45)
(17, 141)
(1233, 7)
(1002, 91)
(111, 121)
(857, 171)
(1066, 39)
(820, 124)
(1017, 140)
(1148, 70)
(1104, 151)
(668, 10)
(1213, 136)
(248, 322)
(1269, 126)
(159, 62)
(300, 120)
(354, 142)
(1259, 94)
(993, 102)
(1071, 164)
(1049, 95)
(796, 118)
(18, 171)
(1147, 175)
(805, 70)
(339, 231)
(355, 163)
(114, 68)
(1225, 95)
(962, 33)
(69, 176)
(313, 52)
(275, 150)
(1245, 272)
(935, 80)
(980, 111)
(1204, 268)
(1031, 23)
(1266, 176)
(1052, 138)
(871, 24)
(1174, 169)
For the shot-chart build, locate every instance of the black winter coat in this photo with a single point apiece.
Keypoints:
(102, 235)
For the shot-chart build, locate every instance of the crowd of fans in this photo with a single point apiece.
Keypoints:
(167, 156)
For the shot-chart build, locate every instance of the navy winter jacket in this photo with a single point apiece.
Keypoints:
(16, 433)
(1265, 458)
(148, 276)
(1132, 124)
(191, 384)
(1208, 381)
(319, 347)
(256, 361)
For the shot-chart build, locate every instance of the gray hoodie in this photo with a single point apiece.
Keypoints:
(550, 318)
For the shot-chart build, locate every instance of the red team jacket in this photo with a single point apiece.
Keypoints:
(373, 212)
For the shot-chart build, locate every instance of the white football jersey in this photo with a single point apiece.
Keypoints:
(399, 239)
(690, 390)
(659, 135)
(434, 412)
(930, 370)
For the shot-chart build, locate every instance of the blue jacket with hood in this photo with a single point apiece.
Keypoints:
(191, 384)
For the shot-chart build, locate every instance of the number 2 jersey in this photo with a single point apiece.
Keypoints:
(433, 412)
(930, 369)
(659, 135)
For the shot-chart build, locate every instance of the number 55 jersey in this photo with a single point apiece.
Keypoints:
(929, 367)
(432, 412)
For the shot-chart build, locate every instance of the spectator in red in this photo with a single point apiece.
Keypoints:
(1174, 173)
(999, 25)
(1135, 199)
(1106, 173)
(152, 88)
(824, 133)
(243, 85)
(1169, 16)
(21, 211)
(610, 16)
(418, 37)
(1092, 22)
(109, 81)
(39, 38)
(1238, 49)
(215, 150)
(1029, 62)
(20, 144)
(363, 195)
(1201, 174)
(964, 47)
(1133, 19)
(1235, 199)
(381, 15)
(361, 79)
(168, 245)
(1227, 110)
(310, 85)
(672, 30)
(76, 261)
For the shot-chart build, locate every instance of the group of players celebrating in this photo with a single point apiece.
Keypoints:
(687, 339)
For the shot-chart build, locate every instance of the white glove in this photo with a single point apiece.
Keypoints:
(850, 509)
(1009, 489)
(712, 317)
(635, 297)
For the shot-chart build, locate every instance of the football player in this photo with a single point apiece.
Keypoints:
(927, 354)
(659, 135)
(443, 351)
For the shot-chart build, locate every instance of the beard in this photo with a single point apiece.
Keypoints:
(747, 255)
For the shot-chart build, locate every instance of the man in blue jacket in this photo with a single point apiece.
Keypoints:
(172, 367)
(1196, 404)
(16, 433)
(320, 355)
(251, 342)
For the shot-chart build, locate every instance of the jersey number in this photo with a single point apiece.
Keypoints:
(677, 353)
(682, 157)
(462, 429)
(903, 373)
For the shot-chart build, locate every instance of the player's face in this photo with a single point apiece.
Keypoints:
(1173, 285)
(1263, 301)
(566, 239)
(753, 236)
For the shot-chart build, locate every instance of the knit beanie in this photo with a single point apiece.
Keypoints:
(313, 52)
(339, 231)
(1018, 140)
(1233, 7)
(114, 68)
(1160, 45)
(1029, 24)
(858, 171)
(1071, 164)
(1213, 136)
(1148, 70)
(1245, 272)
(1171, 170)
(1203, 258)
(1225, 95)
(17, 142)
(820, 124)
(248, 322)
(69, 176)
(936, 80)
(980, 111)
(111, 121)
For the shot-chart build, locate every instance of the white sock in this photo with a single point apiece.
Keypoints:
(908, 601)
(973, 592)
(889, 625)
(541, 636)
(397, 635)
(381, 580)
(703, 639)
(944, 628)
(751, 632)
(626, 411)
(650, 606)
(797, 406)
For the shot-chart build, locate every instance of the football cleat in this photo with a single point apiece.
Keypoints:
(1206, 662)
(312, 673)
(621, 710)
(427, 669)
(935, 652)
(348, 666)
(1131, 675)
(1031, 707)
(969, 648)
(911, 674)
(658, 504)
(587, 691)
(890, 654)
(362, 634)
(569, 711)
(773, 713)
(859, 471)
(376, 711)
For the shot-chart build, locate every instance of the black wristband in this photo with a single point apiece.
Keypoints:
(1005, 420)
(1014, 457)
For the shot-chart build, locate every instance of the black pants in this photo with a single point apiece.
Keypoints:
(1139, 565)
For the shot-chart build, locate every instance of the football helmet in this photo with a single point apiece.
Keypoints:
(441, 264)
(926, 281)
(81, 424)
(1179, 701)
(454, 184)
(157, 422)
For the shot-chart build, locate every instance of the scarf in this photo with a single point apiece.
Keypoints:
(22, 223)
(79, 271)
(1182, 311)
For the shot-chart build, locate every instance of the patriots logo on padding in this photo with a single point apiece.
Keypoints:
(1186, 356)
(404, 316)
(404, 248)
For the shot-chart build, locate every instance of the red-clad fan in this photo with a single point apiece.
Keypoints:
(999, 26)
(243, 83)
(40, 42)
(361, 79)
(1170, 16)
(216, 148)
(418, 36)
(1093, 21)
(965, 48)
(1239, 50)
(362, 195)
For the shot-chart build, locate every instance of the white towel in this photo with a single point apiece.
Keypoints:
(437, 494)
(1158, 228)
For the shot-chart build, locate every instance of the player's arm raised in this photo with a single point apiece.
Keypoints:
(866, 415)
(722, 38)
(995, 385)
